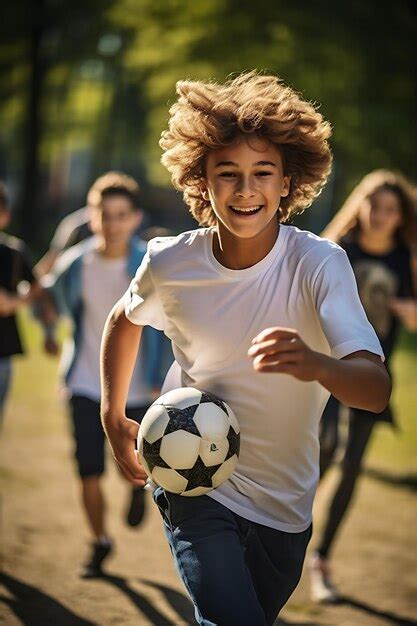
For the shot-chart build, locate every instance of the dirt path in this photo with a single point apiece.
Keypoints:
(44, 540)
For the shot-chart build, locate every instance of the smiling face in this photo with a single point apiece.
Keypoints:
(244, 183)
(381, 214)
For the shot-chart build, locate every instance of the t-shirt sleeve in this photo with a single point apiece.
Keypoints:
(340, 311)
(142, 302)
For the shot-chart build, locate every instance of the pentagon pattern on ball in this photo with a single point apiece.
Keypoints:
(206, 396)
(151, 452)
(189, 441)
(182, 420)
(233, 438)
(200, 475)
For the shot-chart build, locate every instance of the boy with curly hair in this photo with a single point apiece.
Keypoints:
(262, 314)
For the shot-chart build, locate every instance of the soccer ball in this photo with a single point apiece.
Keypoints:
(188, 441)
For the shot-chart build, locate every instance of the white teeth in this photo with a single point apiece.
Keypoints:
(248, 209)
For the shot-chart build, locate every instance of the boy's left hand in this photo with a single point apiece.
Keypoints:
(283, 351)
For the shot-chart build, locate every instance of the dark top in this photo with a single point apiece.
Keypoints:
(15, 267)
(380, 278)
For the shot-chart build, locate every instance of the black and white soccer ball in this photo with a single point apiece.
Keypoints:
(189, 441)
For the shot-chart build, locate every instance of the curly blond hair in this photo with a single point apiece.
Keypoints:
(209, 116)
(346, 223)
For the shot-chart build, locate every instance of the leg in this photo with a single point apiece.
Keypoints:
(89, 453)
(94, 505)
(5, 379)
(360, 429)
(329, 434)
(275, 560)
(208, 548)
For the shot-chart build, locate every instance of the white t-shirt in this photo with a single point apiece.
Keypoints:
(103, 283)
(211, 314)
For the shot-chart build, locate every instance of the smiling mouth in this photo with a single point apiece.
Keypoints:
(250, 210)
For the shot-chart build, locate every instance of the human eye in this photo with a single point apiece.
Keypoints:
(227, 174)
(263, 173)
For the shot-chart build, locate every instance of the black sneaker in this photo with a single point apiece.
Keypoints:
(99, 552)
(137, 507)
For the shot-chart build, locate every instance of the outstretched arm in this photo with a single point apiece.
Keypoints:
(119, 350)
(359, 380)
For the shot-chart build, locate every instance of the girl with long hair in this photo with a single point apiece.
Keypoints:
(377, 228)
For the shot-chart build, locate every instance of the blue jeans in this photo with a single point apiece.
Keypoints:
(236, 572)
(5, 378)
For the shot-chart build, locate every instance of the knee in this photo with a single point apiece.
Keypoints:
(90, 483)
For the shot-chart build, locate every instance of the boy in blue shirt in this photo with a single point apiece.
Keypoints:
(263, 315)
(86, 281)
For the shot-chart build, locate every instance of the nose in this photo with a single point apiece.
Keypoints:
(245, 189)
(111, 227)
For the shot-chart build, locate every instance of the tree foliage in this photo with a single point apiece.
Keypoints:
(106, 72)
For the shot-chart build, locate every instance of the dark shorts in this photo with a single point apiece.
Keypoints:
(237, 572)
(89, 434)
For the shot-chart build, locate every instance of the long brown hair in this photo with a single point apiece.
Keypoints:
(346, 222)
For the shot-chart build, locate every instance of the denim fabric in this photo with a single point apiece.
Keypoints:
(5, 378)
(236, 572)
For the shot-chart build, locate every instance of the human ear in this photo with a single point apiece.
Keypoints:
(204, 192)
(286, 182)
(138, 218)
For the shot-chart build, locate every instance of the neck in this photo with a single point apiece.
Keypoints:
(373, 242)
(238, 253)
(112, 251)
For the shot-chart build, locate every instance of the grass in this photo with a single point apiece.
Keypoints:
(396, 449)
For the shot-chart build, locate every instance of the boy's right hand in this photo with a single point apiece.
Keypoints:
(122, 434)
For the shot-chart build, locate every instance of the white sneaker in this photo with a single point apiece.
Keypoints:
(321, 588)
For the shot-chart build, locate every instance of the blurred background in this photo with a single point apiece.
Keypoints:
(85, 87)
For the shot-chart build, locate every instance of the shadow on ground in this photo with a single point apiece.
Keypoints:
(178, 602)
(284, 622)
(36, 608)
(406, 481)
(388, 616)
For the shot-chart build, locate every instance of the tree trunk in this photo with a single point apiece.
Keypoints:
(31, 185)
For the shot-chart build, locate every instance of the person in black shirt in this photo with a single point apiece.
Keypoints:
(377, 228)
(18, 286)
